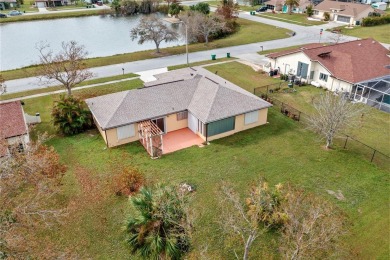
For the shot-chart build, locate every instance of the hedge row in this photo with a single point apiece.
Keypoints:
(373, 21)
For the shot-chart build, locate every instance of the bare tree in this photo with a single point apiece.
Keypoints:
(29, 182)
(151, 28)
(253, 218)
(3, 87)
(333, 115)
(67, 66)
(207, 24)
(313, 229)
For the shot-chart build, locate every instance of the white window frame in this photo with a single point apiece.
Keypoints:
(323, 77)
(251, 117)
(126, 131)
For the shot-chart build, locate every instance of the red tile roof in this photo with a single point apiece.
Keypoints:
(12, 121)
(286, 52)
(353, 61)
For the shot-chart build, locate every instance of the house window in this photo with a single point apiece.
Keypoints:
(251, 117)
(323, 77)
(221, 126)
(181, 115)
(125, 131)
(316, 12)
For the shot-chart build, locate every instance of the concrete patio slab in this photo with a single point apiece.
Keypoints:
(180, 139)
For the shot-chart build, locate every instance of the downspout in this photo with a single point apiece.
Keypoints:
(206, 131)
(105, 133)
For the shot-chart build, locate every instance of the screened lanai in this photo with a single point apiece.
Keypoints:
(374, 92)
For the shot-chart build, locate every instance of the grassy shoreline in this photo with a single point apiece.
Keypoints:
(245, 35)
(50, 16)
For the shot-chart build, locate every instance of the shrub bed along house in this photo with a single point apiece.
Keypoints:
(373, 21)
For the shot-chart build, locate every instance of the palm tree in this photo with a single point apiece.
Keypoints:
(160, 230)
(71, 116)
(291, 4)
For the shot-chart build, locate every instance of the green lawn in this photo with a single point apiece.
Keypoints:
(23, 8)
(44, 104)
(374, 129)
(281, 151)
(299, 19)
(245, 35)
(379, 33)
(50, 89)
(79, 5)
(199, 63)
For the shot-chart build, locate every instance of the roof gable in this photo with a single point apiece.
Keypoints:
(207, 96)
(345, 8)
(353, 61)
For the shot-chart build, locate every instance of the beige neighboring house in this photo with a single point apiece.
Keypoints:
(13, 127)
(197, 100)
(342, 12)
(337, 67)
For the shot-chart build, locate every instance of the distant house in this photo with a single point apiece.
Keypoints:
(50, 3)
(342, 12)
(340, 67)
(7, 4)
(13, 127)
(275, 5)
(280, 6)
(178, 106)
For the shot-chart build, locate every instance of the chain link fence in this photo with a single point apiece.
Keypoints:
(345, 141)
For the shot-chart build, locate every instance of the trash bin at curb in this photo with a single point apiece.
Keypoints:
(290, 85)
(228, 55)
(213, 56)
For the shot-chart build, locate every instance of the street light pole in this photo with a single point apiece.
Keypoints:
(186, 41)
(186, 44)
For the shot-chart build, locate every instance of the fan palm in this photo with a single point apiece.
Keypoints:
(159, 229)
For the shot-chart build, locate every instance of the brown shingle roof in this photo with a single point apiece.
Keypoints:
(345, 8)
(353, 61)
(12, 122)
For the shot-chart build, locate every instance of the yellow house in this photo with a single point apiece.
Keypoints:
(198, 104)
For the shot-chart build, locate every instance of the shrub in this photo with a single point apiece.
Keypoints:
(326, 16)
(309, 10)
(373, 21)
(201, 7)
(71, 116)
(128, 182)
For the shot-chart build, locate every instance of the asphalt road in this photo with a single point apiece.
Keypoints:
(304, 34)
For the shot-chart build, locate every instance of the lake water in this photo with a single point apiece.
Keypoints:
(101, 35)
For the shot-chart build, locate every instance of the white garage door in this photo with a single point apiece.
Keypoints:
(41, 5)
(343, 19)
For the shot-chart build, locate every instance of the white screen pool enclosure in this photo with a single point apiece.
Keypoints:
(374, 92)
